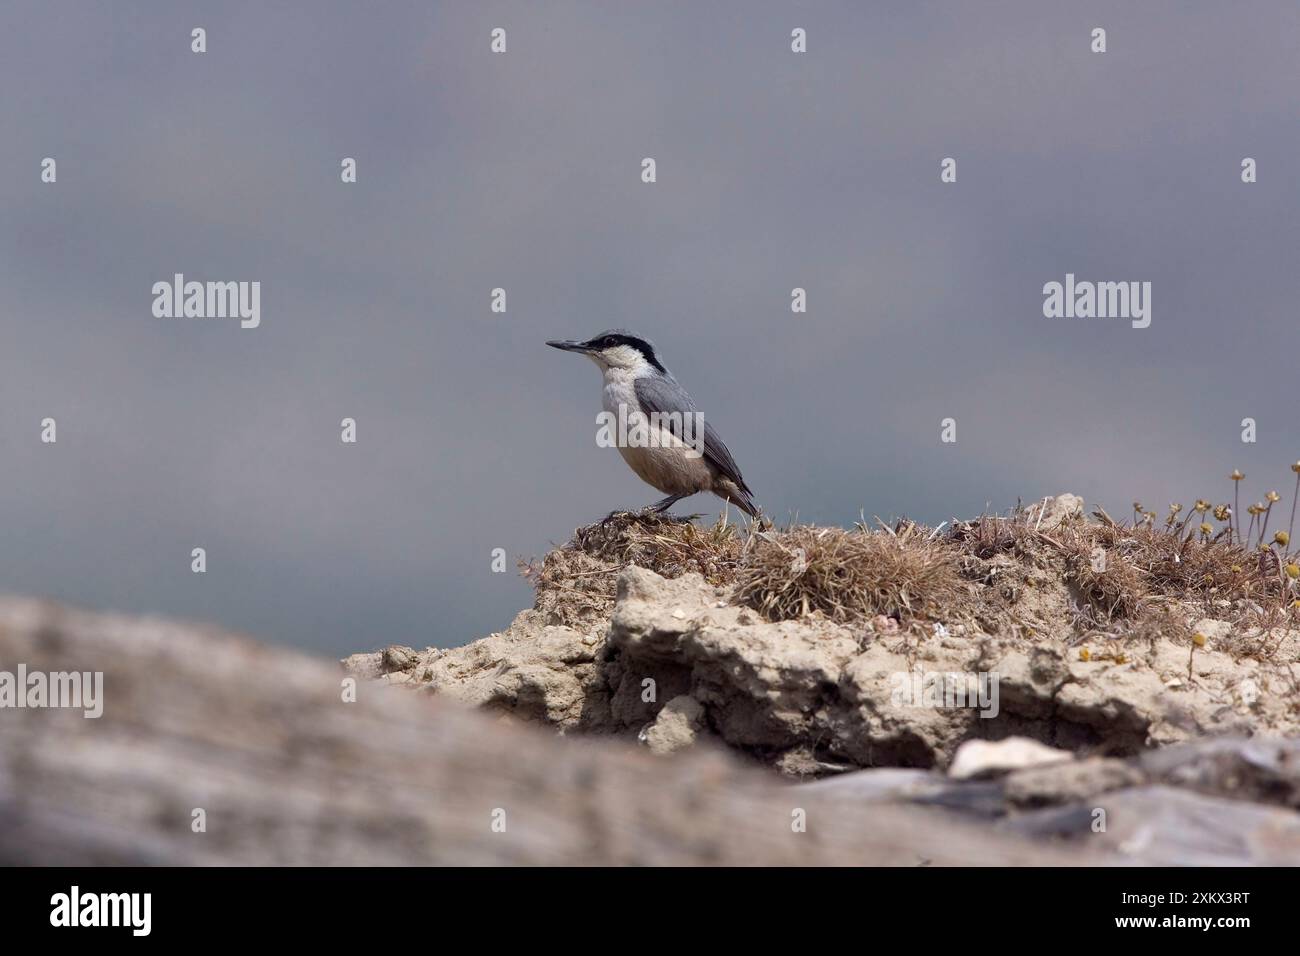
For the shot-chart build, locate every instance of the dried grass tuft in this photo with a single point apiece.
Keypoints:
(848, 575)
(668, 546)
(578, 581)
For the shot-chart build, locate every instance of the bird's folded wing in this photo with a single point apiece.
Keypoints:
(665, 396)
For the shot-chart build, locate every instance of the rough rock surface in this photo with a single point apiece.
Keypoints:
(532, 671)
(676, 727)
(812, 697)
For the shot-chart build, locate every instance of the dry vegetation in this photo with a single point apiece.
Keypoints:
(1097, 580)
(849, 575)
(576, 583)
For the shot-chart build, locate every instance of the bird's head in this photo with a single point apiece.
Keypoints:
(615, 349)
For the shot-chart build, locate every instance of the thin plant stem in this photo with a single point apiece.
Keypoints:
(1290, 532)
(1236, 509)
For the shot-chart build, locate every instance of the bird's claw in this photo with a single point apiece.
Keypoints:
(649, 513)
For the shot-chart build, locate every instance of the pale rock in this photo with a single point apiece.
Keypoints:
(1054, 511)
(676, 727)
(979, 758)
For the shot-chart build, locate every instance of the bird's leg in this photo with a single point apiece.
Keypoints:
(657, 510)
(659, 507)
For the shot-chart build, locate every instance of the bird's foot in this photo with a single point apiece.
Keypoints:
(657, 515)
(651, 513)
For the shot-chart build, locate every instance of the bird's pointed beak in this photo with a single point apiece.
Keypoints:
(568, 346)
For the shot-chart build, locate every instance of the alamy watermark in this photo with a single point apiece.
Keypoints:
(133, 911)
(208, 300)
(946, 689)
(633, 428)
(72, 690)
(1102, 300)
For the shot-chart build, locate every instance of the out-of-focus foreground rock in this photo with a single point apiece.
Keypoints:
(282, 766)
(285, 771)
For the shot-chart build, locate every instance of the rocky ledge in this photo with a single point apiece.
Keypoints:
(1012, 647)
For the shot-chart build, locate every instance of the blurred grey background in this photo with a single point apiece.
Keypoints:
(522, 170)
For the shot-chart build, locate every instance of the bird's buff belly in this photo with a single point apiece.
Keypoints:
(673, 470)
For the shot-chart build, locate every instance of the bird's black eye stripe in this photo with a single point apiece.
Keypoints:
(614, 340)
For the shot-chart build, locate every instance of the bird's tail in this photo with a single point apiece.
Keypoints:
(740, 496)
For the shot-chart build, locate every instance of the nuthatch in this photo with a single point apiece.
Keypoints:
(674, 449)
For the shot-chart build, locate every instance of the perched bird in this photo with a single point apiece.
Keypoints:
(681, 457)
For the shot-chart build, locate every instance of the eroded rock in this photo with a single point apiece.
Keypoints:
(678, 725)
(813, 697)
